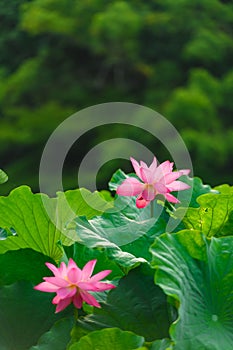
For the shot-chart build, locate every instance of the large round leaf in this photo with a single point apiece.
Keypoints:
(189, 197)
(110, 338)
(214, 217)
(57, 337)
(23, 264)
(163, 344)
(198, 272)
(136, 305)
(82, 254)
(102, 232)
(25, 314)
(125, 231)
(40, 222)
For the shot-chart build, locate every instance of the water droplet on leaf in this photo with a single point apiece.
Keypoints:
(214, 318)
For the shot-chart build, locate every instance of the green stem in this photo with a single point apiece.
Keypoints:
(75, 314)
(152, 209)
(64, 257)
(170, 207)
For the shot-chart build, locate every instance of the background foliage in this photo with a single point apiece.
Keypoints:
(59, 56)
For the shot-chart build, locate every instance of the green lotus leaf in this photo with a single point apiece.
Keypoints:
(109, 338)
(40, 222)
(23, 264)
(124, 231)
(224, 189)
(164, 344)
(106, 233)
(117, 178)
(214, 217)
(57, 337)
(198, 273)
(189, 198)
(25, 314)
(136, 305)
(83, 254)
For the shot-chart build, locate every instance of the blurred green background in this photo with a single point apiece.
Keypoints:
(60, 56)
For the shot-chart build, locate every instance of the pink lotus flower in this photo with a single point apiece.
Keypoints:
(155, 180)
(73, 284)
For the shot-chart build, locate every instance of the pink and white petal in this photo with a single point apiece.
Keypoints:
(143, 164)
(153, 165)
(166, 167)
(77, 300)
(64, 293)
(160, 188)
(162, 170)
(62, 269)
(63, 304)
(149, 193)
(74, 274)
(57, 281)
(72, 264)
(147, 176)
(95, 286)
(136, 166)
(170, 198)
(87, 286)
(100, 275)
(178, 186)
(130, 187)
(171, 166)
(56, 300)
(141, 202)
(46, 287)
(184, 171)
(88, 269)
(172, 176)
(102, 286)
(89, 299)
(53, 268)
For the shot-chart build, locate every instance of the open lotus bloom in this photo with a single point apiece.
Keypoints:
(73, 285)
(155, 179)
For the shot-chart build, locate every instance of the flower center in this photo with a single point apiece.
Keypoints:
(149, 192)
